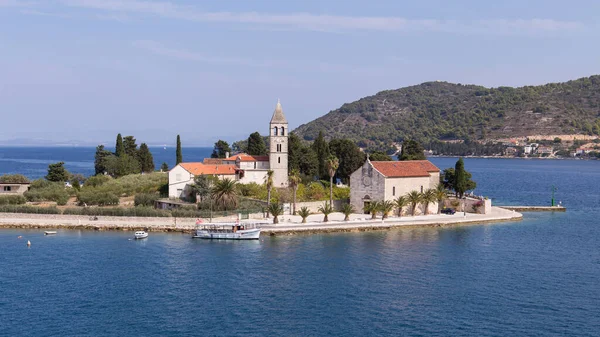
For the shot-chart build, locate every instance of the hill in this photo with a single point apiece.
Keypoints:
(446, 111)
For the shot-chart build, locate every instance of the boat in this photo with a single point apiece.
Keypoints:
(227, 231)
(49, 232)
(140, 235)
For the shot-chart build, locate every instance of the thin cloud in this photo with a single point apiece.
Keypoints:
(312, 22)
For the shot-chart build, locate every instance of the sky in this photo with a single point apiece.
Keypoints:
(81, 71)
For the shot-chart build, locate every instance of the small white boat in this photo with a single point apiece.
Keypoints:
(140, 235)
(50, 233)
(227, 231)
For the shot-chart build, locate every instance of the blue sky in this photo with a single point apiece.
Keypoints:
(83, 70)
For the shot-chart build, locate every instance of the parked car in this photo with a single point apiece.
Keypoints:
(448, 211)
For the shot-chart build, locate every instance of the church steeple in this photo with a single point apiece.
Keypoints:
(278, 147)
(278, 117)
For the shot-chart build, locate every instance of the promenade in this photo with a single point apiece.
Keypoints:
(288, 224)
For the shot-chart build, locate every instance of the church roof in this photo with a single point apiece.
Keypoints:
(246, 157)
(200, 169)
(278, 117)
(405, 169)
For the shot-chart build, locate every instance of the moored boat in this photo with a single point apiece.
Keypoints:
(227, 231)
(49, 232)
(140, 235)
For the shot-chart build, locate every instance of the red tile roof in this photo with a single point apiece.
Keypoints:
(200, 169)
(212, 161)
(409, 168)
(247, 157)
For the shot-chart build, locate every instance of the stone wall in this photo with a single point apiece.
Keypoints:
(313, 206)
(470, 205)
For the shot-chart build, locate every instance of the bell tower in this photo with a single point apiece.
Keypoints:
(278, 147)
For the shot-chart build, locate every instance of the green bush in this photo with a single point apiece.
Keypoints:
(28, 209)
(91, 197)
(42, 190)
(14, 178)
(12, 200)
(145, 199)
(98, 180)
(117, 211)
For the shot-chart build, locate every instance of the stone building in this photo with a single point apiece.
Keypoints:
(387, 180)
(242, 167)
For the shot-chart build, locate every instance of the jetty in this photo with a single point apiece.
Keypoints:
(535, 208)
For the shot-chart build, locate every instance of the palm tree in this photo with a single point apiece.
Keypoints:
(225, 194)
(372, 208)
(414, 198)
(326, 209)
(276, 210)
(294, 180)
(440, 196)
(428, 197)
(385, 207)
(269, 185)
(347, 209)
(304, 213)
(400, 203)
(332, 165)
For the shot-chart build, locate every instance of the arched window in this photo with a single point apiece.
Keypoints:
(275, 131)
(282, 131)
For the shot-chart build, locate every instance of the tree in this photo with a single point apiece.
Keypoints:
(119, 149)
(385, 207)
(225, 194)
(256, 145)
(447, 179)
(440, 196)
(460, 178)
(178, 155)
(57, 172)
(400, 203)
(101, 159)
(372, 208)
(145, 158)
(203, 185)
(269, 186)
(294, 181)
(14, 178)
(321, 149)
(332, 165)
(414, 198)
(347, 209)
(411, 150)
(164, 167)
(221, 149)
(350, 157)
(304, 213)
(326, 209)
(379, 156)
(122, 166)
(301, 157)
(428, 197)
(130, 146)
(276, 210)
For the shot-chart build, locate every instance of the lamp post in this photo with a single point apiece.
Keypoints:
(553, 190)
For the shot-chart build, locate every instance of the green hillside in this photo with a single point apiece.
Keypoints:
(444, 111)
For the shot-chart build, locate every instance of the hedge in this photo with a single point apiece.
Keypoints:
(29, 209)
(12, 200)
(91, 197)
(117, 211)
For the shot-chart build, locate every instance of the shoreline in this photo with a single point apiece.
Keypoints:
(358, 223)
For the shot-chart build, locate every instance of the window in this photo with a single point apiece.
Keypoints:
(282, 131)
(7, 188)
(178, 177)
(254, 165)
(394, 191)
(278, 160)
(275, 131)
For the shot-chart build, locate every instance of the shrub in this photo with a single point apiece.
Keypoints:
(42, 190)
(341, 193)
(91, 197)
(12, 200)
(28, 209)
(145, 199)
(98, 180)
(117, 211)
(14, 178)
(251, 190)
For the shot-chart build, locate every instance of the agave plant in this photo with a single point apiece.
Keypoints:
(414, 198)
(304, 213)
(400, 203)
(275, 210)
(385, 207)
(347, 209)
(326, 209)
(428, 197)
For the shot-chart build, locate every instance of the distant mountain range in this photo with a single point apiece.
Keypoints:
(446, 111)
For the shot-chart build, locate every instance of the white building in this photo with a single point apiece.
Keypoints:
(242, 167)
(387, 180)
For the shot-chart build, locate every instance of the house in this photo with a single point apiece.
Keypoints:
(387, 180)
(545, 150)
(13, 188)
(529, 148)
(511, 151)
(241, 167)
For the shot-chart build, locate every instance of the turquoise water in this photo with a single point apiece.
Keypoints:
(536, 277)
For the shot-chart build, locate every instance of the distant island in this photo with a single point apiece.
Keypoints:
(556, 119)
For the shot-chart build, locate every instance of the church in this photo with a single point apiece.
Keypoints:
(241, 167)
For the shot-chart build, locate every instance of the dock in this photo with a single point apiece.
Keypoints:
(535, 208)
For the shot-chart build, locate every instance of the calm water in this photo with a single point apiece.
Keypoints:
(537, 277)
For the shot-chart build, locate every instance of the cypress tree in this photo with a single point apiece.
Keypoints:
(130, 146)
(145, 158)
(119, 148)
(164, 167)
(460, 178)
(256, 145)
(179, 157)
(101, 159)
(321, 148)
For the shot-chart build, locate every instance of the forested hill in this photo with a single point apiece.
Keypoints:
(444, 111)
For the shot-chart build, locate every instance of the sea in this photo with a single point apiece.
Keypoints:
(535, 277)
